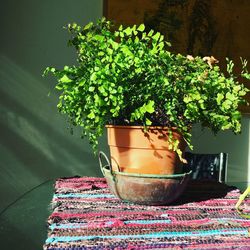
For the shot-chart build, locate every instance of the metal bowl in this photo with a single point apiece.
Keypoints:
(146, 189)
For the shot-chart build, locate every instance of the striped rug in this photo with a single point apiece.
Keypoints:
(87, 216)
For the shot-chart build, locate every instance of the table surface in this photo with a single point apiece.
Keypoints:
(87, 216)
(23, 223)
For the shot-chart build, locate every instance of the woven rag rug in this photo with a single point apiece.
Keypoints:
(87, 216)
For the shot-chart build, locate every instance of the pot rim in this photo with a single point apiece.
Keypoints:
(140, 127)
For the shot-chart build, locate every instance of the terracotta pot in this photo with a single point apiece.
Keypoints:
(134, 151)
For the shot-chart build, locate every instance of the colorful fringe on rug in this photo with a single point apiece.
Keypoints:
(87, 216)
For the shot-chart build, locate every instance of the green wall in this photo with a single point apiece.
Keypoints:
(35, 143)
(237, 147)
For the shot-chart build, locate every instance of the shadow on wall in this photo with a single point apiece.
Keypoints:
(35, 144)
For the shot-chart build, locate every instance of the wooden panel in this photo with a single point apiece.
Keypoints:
(198, 27)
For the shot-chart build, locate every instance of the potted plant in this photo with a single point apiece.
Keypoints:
(148, 98)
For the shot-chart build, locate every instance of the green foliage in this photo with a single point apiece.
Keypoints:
(127, 76)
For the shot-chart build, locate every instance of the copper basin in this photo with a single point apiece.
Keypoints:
(144, 189)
